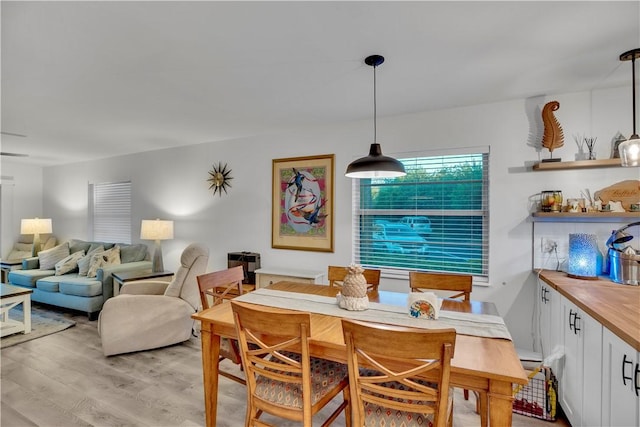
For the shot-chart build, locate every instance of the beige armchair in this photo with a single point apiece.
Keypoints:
(153, 314)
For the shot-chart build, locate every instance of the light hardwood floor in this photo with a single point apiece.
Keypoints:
(63, 380)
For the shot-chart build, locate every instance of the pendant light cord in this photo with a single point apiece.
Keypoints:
(375, 114)
(633, 83)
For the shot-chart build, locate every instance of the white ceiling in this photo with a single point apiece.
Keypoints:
(86, 80)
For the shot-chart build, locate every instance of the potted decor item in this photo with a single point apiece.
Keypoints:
(353, 295)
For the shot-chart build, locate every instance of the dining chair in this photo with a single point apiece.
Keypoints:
(336, 275)
(221, 286)
(461, 285)
(386, 364)
(282, 379)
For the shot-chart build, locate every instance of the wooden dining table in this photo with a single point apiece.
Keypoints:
(491, 365)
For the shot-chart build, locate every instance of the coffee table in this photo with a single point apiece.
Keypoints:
(10, 297)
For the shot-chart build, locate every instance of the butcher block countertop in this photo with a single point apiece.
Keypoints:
(616, 306)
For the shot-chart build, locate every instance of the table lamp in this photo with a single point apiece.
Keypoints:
(585, 259)
(36, 226)
(156, 229)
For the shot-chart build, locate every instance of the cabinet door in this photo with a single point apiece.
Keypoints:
(580, 388)
(620, 381)
(550, 325)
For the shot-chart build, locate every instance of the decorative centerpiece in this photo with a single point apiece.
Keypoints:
(353, 296)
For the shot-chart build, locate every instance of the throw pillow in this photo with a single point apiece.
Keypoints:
(49, 257)
(133, 253)
(83, 263)
(76, 245)
(50, 243)
(69, 263)
(103, 259)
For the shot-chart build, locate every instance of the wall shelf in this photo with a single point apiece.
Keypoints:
(584, 216)
(579, 164)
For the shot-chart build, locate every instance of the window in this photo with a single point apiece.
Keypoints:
(110, 210)
(436, 218)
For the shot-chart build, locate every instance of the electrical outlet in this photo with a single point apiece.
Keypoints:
(548, 245)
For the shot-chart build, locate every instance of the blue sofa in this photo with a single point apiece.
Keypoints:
(77, 292)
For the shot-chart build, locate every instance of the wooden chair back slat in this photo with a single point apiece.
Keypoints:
(220, 285)
(460, 284)
(336, 275)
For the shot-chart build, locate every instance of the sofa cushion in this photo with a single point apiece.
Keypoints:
(76, 245)
(99, 260)
(48, 284)
(69, 263)
(49, 257)
(20, 251)
(28, 278)
(80, 286)
(133, 253)
(85, 261)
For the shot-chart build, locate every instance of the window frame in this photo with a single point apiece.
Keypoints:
(481, 277)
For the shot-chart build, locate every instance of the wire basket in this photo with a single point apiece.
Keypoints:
(537, 399)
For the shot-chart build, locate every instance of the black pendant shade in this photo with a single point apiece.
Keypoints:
(375, 165)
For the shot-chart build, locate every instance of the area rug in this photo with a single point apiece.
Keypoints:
(43, 323)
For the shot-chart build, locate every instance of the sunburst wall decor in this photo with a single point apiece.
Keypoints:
(219, 178)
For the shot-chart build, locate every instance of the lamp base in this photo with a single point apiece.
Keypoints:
(36, 245)
(157, 266)
(576, 276)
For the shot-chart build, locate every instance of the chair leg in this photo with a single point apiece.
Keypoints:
(346, 395)
(466, 394)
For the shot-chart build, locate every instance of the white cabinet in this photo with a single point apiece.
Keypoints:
(550, 314)
(581, 385)
(269, 276)
(620, 382)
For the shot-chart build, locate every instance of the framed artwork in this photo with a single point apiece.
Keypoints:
(302, 203)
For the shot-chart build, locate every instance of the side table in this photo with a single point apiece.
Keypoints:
(6, 267)
(121, 278)
(10, 297)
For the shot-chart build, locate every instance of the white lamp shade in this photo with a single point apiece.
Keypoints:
(36, 226)
(156, 229)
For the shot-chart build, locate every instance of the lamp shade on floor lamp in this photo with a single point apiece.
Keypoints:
(156, 230)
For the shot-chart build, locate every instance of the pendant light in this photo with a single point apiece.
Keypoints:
(375, 165)
(630, 149)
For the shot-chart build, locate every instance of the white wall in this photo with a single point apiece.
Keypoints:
(21, 198)
(171, 184)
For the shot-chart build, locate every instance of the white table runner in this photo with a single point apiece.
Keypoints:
(480, 325)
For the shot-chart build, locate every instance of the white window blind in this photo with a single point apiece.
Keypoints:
(111, 211)
(436, 218)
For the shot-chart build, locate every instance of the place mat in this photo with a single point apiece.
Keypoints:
(479, 325)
